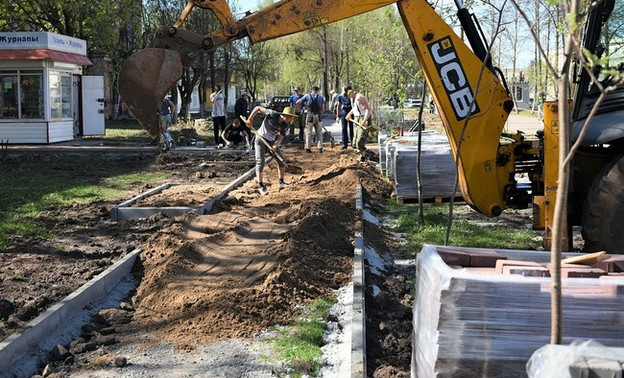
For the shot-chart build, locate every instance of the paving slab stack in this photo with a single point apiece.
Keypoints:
(382, 136)
(436, 165)
(482, 312)
(580, 359)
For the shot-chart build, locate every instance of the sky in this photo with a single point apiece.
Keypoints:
(245, 5)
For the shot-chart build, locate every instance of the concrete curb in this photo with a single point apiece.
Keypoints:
(124, 211)
(19, 345)
(358, 323)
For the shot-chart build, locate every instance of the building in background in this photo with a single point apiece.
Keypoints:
(44, 97)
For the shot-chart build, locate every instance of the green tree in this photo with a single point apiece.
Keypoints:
(382, 60)
(253, 64)
(112, 29)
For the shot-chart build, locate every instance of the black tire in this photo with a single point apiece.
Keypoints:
(603, 211)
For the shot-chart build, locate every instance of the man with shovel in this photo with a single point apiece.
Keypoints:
(361, 111)
(269, 136)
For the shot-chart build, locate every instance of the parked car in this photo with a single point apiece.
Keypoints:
(412, 103)
(278, 103)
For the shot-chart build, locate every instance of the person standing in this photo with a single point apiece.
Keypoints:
(315, 106)
(167, 109)
(298, 124)
(274, 128)
(540, 106)
(241, 106)
(361, 113)
(333, 97)
(218, 112)
(343, 107)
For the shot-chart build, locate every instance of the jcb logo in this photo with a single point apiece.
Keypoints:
(454, 78)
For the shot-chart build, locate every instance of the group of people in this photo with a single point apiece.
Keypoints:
(353, 111)
(233, 134)
(352, 108)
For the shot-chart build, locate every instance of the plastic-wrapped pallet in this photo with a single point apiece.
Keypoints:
(381, 139)
(437, 168)
(391, 145)
(482, 313)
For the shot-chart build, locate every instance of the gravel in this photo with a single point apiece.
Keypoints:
(231, 358)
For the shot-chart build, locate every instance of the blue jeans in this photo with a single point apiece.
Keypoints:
(347, 129)
(167, 139)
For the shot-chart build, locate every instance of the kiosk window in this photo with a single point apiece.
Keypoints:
(31, 94)
(21, 94)
(60, 95)
(8, 96)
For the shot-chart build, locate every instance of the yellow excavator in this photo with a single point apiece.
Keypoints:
(470, 94)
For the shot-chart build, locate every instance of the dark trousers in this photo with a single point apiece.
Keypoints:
(219, 126)
(347, 129)
(234, 137)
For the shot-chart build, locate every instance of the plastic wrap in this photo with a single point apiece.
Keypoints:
(437, 165)
(562, 361)
(472, 320)
(437, 169)
(381, 139)
(392, 143)
(390, 147)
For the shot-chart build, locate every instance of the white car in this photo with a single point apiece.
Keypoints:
(412, 103)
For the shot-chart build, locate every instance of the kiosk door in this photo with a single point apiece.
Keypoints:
(93, 105)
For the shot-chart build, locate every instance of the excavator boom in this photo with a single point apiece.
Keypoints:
(473, 102)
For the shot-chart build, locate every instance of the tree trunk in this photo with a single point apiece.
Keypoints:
(560, 213)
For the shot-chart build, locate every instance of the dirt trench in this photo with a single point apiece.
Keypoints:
(231, 273)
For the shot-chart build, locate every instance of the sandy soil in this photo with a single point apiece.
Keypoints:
(38, 272)
(248, 265)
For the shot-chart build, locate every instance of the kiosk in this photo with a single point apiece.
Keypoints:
(44, 98)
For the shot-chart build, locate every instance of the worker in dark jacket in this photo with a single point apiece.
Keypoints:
(241, 107)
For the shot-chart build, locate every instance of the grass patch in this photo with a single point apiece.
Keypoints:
(121, 132)
(465, 233)
(300, 345)
(26, 193)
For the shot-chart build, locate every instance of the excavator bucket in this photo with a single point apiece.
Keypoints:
(144, 80)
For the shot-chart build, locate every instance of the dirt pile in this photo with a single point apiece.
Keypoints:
(252, 261)
(38, 272)
(247, 265)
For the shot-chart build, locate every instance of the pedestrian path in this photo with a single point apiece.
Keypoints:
(515, 122)
(524, 123)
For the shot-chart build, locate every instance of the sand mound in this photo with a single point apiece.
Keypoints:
(254, 259)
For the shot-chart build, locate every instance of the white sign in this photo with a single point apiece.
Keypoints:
(42, 40)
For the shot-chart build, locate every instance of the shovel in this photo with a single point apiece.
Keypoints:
(332, 142)
(367, 128)
(267, 144)
(289, 167)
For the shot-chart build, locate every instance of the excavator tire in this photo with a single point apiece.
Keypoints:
(603, 212)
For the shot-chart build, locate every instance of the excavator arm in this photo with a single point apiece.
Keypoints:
(473, 102)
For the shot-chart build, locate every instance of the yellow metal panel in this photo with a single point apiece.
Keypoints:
(456, 76)
(551, 170)
(288, 17)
